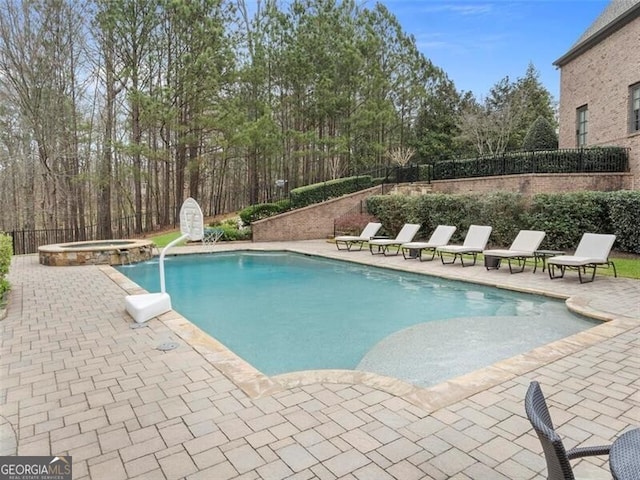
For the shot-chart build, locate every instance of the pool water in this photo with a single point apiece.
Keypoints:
(285, 312)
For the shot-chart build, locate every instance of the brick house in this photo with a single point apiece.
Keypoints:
(600, 84)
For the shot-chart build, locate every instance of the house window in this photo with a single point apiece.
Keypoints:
(581, 127)
(634, 111)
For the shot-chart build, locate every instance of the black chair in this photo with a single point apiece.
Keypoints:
(558, 466)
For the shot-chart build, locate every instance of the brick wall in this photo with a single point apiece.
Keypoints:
(309, 223)
(316, 221)
(531, 184)
(600, 78)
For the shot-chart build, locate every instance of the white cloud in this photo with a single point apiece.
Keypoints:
(460, 8)
(460, 43)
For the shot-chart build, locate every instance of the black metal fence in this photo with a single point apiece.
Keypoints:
(581, 160)
(577, 160)
(28, 241)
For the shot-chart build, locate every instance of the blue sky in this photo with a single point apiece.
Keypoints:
(480, 42)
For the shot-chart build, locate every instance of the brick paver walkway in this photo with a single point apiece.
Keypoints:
(76, 379)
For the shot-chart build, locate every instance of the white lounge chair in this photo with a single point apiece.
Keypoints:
(592, 251)
(524, 246)
(405, 235)
(440, 237)
(350, 240)
(474, 243)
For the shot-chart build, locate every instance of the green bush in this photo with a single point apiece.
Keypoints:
(442, 209)
(566, 216)
(319, 192)
(231, 231)
(624, 212)
(540, 136)
(6, 250)
(505, 212)
(393, 211)
(263, 210)
(563, 216)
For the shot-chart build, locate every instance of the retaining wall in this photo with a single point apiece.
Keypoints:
(309, 223)
(534, 183)
(316, 221)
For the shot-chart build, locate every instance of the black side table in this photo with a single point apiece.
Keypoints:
(543, 255)
(624, 457)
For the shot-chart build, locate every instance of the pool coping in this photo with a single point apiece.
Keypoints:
(256, 384)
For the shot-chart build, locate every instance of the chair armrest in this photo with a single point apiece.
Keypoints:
(580, 452)
(378, 237)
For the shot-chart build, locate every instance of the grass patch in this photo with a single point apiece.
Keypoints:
(165, 239)
(626, 267)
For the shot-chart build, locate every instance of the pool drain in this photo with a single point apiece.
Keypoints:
(165, 347)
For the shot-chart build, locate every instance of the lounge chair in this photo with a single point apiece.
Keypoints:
(474, 243)
(557, 458)
(350, 240)
(440, 237)
(592, 251)
(405, 235)
(524, 246)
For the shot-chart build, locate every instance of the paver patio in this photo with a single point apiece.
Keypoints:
(76, 379)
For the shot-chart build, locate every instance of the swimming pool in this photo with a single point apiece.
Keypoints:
(286, 312)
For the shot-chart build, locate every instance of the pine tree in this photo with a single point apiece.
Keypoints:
(540, 136)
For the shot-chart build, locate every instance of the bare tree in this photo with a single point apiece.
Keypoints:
(401, 155)
(40, 49)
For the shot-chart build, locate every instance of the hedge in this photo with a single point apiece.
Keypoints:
(563, 216)
(263, 210)
(624, 214)
(393, 211)
(566, 216)
(6, 250)
(598, 159)
(319, 192)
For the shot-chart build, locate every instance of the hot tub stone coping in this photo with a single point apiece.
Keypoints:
(59, 254)
(61, 247)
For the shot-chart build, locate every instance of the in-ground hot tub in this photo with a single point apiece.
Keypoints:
(104, 252)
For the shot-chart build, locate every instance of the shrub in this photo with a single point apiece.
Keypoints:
(566, 216)
(503, 211)
(540, 136)
(393, 211)
(563, 216)
(442, 209)
(319, 192)
(231, 231)
(624, 212)
(284, 204)
(259, 211)
(6, 250)
(506, 213)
